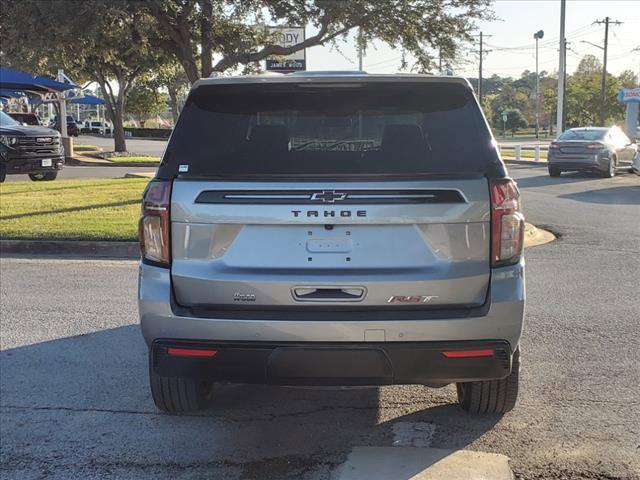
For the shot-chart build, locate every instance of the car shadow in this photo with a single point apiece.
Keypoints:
(565, 178)
(82, 404)
(621, 195)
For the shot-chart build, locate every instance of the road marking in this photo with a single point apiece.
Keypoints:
(413, 434)
(411, 463)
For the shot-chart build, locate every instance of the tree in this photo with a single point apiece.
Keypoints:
(628, 79)
(583, 95)
(171, 76)
(144, 102)
(589, 65)
(234, 33)
(515, 120)
(109, 45)
(508, 98)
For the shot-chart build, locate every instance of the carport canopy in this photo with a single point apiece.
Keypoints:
(16, 80)
(88, 100)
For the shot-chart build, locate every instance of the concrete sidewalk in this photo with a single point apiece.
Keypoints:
(404, 463)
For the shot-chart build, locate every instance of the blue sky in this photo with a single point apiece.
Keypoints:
(512, 45)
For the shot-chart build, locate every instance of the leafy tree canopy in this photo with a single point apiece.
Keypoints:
(208, 36)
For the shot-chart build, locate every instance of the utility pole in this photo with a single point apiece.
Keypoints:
(480, 74)
(482, 52)
(603, 83)
(360, 48)
(561, 71)
(538, 35)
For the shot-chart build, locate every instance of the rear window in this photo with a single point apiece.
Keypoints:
(583, 135)
(320, 129)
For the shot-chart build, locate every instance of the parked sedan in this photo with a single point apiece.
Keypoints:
(596, 149)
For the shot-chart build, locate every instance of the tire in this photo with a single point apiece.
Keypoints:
(43, 177)
(177, 395)
(554, 171)
(3, 176)
(611, 170)
(492, 396)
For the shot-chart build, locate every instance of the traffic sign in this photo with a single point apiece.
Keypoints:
(287, 37)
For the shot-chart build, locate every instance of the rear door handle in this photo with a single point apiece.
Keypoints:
(328, 293)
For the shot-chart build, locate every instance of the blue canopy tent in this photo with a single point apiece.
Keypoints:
(88, 100)
(17, 80)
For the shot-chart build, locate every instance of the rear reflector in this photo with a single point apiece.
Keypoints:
(469, 353)
(191, 352)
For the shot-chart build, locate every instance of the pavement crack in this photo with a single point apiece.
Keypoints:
(79, 410)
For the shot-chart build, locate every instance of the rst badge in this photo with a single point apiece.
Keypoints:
(409, 299)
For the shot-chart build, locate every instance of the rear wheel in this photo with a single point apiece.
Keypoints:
(43, 177)
(611, 170)
(177, 395)
(3, 176)
(492, 396)
(554, 171)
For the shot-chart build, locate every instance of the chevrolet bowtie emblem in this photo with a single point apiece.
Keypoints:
(328, 196)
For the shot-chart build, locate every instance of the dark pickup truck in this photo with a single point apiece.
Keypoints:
(36, 151)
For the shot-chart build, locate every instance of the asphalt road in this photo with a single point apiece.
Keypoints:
(75, 401)
(88, 172)
(134, 145)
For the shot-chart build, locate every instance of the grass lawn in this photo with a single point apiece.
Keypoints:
(85, 148)
(134, 159)
(105, 209)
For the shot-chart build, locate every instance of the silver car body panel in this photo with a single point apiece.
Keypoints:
(503, 320)
(225, 253)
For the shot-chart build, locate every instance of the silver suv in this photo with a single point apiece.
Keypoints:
(332, 229)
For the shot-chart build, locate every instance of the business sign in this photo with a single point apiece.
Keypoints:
(287, 37)
(629, 95)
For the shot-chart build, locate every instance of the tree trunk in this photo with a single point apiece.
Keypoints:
(173, 104)
(206, 44)
(120, 144)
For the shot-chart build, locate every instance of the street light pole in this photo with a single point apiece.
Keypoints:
(538, 35)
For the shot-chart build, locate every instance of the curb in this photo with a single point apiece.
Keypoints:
(534, 236)
(79, 162)
(80, 248)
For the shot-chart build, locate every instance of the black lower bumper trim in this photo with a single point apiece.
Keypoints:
(327, 364)
(16, 165)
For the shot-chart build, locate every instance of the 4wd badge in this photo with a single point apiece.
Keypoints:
(244, 297)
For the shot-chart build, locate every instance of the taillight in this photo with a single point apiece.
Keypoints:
(154, 223)
(595, 146)
(554, 146)
(507, 223)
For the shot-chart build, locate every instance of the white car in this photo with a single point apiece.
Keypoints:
(93, 126)
(635, 166)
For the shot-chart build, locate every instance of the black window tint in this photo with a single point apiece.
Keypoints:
(329, 130)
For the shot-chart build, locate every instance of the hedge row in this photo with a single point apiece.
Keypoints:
(148, 132)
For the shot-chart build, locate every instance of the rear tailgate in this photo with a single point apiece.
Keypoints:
(346, 244)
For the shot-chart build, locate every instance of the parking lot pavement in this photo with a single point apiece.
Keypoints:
(68, 173)
(75, 401)
(141, 146)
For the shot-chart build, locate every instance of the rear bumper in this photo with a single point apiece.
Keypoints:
(329, 364)
(596, 162)
(501, 320)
